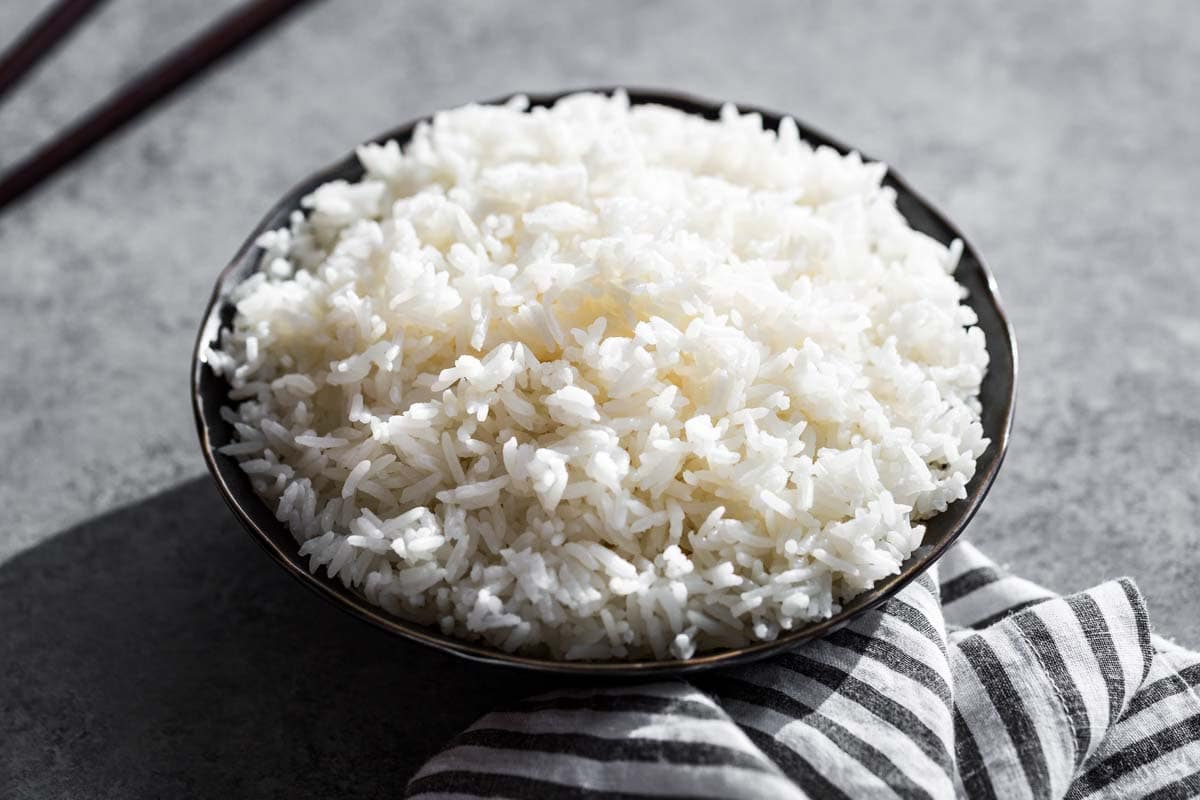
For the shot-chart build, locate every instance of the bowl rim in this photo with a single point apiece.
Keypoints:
(357, 606)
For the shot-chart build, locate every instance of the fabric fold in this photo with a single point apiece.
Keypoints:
(1044, 685)
(970, 683)
(607, 743)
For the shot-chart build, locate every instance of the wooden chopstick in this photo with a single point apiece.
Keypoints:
(143, 91)
(40, 38)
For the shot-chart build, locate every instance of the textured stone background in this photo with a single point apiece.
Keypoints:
(147, 648)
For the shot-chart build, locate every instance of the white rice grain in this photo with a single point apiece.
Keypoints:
(547, 379)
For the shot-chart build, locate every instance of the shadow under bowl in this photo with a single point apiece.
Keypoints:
(210, 392)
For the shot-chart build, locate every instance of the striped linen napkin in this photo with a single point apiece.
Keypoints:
(980, 685)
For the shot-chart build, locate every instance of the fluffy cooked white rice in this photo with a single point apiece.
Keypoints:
(605, 382)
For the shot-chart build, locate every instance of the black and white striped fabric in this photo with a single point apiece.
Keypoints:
(971, 683)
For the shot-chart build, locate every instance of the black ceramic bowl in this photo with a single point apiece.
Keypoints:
(209, 393)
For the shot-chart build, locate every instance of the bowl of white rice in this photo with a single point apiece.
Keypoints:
(608, 382)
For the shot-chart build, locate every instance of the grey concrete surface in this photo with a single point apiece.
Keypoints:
(147, 648)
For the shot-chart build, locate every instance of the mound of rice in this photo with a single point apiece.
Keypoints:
(605, 382)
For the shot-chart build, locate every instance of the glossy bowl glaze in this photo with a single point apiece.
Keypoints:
(998, 394)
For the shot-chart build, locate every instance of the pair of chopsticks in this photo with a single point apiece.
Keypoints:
(155, 83)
